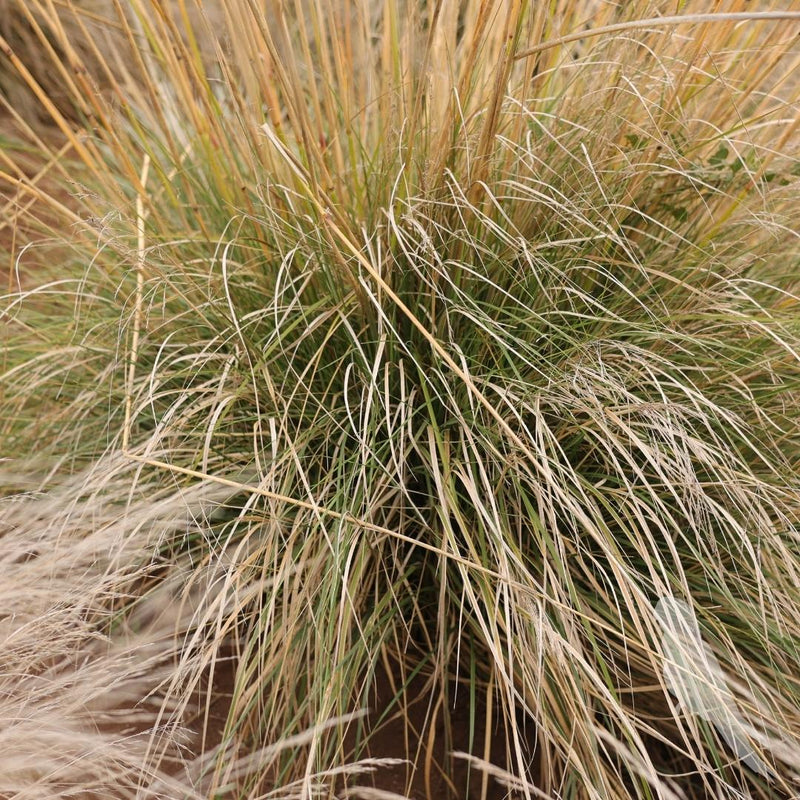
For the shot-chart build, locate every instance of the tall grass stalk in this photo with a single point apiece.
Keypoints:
(423, 339)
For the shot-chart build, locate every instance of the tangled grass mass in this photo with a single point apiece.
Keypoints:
(431, 364)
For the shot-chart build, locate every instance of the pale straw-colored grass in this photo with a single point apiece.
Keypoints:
(462, 340)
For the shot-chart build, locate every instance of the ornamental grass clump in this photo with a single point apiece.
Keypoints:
(453, 342)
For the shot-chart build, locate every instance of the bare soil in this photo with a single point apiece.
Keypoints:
(423, 736)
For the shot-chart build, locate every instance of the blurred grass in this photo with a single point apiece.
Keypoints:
(477, 337)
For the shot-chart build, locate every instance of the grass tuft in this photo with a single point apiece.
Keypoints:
(384, 341)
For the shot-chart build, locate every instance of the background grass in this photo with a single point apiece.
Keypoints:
(440, 337)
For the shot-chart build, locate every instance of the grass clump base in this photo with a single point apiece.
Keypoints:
(429, 341)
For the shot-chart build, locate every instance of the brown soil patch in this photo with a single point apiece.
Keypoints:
(420, 733)
(427, 734)
(26, 189)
